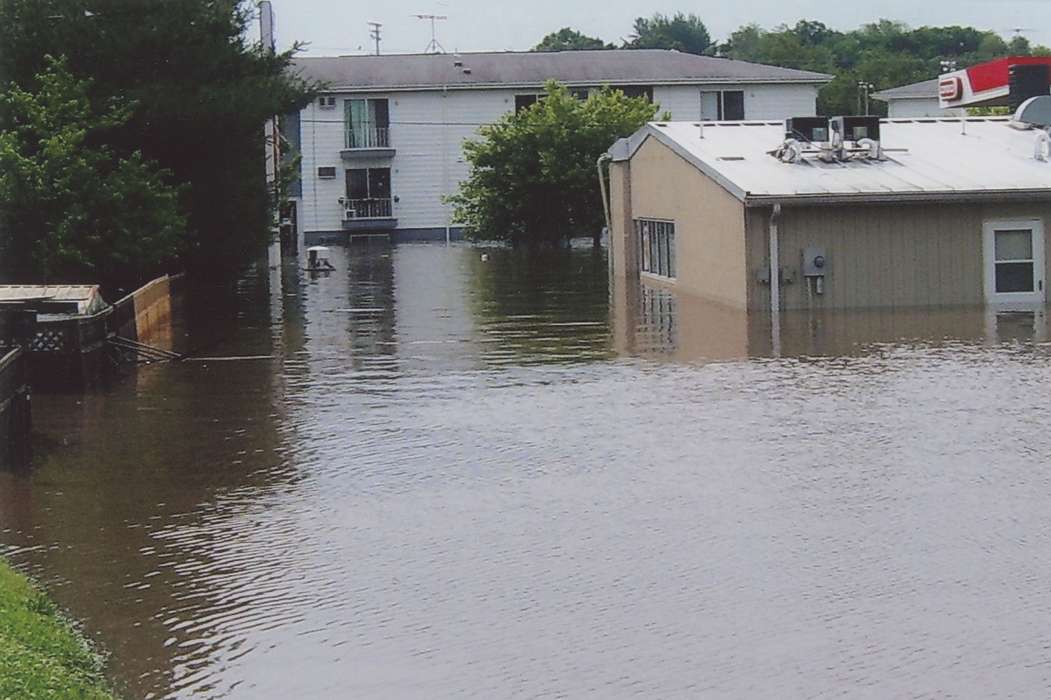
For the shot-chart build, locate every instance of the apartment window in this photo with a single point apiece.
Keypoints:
(528, 100)
(723, 105)
(368, 193)
(525, 102)
(367, 123)
(656, 246)
(638, 91)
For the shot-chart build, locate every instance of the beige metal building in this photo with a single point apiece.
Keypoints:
(938, 212)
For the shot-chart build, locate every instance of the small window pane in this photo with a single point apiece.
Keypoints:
(645, 247)
(1014, 245)
(654, 252)
(1014, 277)
(671, 253)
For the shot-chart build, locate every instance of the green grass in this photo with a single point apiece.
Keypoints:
(41, 654)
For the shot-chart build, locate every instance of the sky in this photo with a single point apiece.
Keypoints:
(334, 27)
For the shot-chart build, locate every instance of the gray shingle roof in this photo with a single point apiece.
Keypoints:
(615, 67)
(925, 89)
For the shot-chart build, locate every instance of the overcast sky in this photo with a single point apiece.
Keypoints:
(339, 26)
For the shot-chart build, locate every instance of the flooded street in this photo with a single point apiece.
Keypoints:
(432, 476)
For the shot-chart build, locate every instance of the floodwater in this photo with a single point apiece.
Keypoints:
(433, 476)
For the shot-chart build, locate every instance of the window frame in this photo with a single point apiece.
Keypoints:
(656, 247)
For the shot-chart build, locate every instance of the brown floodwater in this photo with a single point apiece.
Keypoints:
(428, 475)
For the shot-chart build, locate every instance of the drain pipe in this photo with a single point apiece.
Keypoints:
(605, 157)
(775, 280)
(602, 159)
(775, 258)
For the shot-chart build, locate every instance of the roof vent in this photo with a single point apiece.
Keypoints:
(466, 71)
(1036, 111)
(458, 62)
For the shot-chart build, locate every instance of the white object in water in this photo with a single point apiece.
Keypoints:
(485, 257)
(317, 258)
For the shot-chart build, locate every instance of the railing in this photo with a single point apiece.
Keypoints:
(373, 208)
(368, 137)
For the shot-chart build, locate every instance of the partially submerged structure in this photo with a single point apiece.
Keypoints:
(847, 213)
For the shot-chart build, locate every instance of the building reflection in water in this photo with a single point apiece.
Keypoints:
(654, 322)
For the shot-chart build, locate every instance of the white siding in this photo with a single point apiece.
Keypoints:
(918, 108)
(760, 101)
(428, 129)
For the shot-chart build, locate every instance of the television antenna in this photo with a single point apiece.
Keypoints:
(1019, 31)
(435, 46)
(376, 34)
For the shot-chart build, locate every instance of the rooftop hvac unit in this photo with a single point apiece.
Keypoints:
(855, 128)
(807, 129)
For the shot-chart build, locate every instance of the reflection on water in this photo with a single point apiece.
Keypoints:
(436, 476)
(657, 323)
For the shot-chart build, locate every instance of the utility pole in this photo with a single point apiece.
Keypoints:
(435, 46)
(863, 93)
(375, 32)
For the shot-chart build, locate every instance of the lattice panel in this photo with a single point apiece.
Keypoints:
(48, 341)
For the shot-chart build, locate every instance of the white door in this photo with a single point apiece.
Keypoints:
(1014, 261)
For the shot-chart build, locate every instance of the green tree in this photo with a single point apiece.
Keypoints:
(201, 90)
(569, 39)
(884, 54)
(681, 32)
(533, 177)
(73, 210)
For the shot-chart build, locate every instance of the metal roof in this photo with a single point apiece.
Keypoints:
(927, 159)
(923, 90)
(61, 292)
(533, 69)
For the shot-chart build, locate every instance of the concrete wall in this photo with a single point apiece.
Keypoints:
(428, 129)
(709, 224)
(882, 256)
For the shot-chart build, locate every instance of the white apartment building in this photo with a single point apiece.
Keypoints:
(383, 145)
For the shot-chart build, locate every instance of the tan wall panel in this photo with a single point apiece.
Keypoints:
(883, 256)
(709, 223)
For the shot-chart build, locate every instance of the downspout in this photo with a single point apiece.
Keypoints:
(445, 165)
(775, 260)
(602, 159)
(775, 280)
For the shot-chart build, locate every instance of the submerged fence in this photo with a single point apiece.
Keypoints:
(72, 353)
(15, 411)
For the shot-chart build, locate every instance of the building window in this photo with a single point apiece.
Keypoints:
(656, 247)
(723, 105)
(638, 91)
(367, 123)
(368, 194)
(528, 100)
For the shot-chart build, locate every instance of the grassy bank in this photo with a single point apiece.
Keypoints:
(41, 655)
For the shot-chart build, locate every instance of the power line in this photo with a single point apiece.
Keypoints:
(399, 123)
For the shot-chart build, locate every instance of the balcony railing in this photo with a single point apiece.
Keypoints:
(368, 137)
(373, 208)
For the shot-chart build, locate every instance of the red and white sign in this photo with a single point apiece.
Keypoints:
(984, 84)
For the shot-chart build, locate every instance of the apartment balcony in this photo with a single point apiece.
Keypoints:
(371, 142)
(374, 214)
